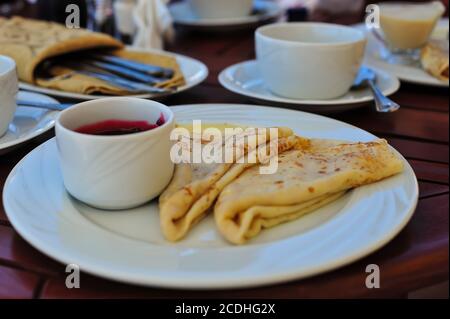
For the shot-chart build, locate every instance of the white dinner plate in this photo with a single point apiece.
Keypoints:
(244, 78)
(28, 122)
(128, 246)
(263, 11)
(411, 74)
(193, 70)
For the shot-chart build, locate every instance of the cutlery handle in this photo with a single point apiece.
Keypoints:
(121, 71)
(43, 105)
(382, 102)
(137, 66)
(126, 84)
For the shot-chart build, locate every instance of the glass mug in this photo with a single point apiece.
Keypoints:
(406, 28)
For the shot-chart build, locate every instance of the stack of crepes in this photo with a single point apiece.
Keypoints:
(195, 186)
(311, 173)
(31, 42)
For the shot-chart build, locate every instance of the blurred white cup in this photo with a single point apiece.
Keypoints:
(309, 60)
(8, 91)
(221, 9)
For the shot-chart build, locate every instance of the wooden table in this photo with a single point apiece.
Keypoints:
(416, 258)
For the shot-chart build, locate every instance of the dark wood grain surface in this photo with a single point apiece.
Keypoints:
(416, 258)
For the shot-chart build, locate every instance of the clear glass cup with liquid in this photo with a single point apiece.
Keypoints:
(407, 27)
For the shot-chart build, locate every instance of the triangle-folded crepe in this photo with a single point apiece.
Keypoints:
(194, 188)
(306, 180)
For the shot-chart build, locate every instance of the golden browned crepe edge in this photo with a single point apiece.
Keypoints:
(242, 235)
(88, 41)
(68, 47)
(434, 59)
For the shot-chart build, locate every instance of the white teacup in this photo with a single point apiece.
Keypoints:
(309, 60)
(221, 9)
(115, 172)
(8, 90)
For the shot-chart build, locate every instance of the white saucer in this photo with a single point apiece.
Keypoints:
(128, 246)
(244, 79)
(193, 70)
(263, 11)
(28, 122)
(406, 73)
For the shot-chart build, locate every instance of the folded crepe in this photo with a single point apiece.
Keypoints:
(306, 180)
(30, 42)
(195, 186)
(435, 59)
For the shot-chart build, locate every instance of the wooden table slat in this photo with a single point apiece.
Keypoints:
(420, 150)
(412, 97)
(411, 123)
(15, 284)
(434, 172)
(427, 189)
(16, 252)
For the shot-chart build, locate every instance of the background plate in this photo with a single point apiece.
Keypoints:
(193, 70)
(244, 79)
(265, 11)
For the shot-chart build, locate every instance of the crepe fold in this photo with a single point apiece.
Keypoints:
(30, 42)
(306, 180)
(195, 186)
